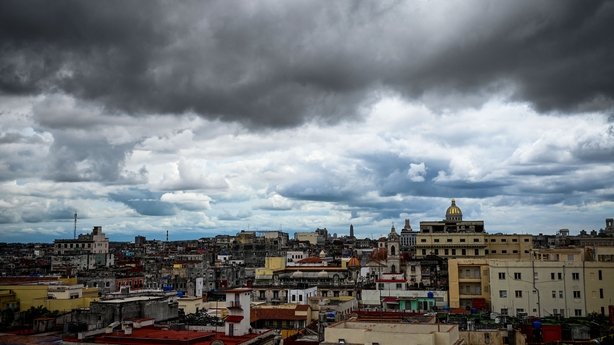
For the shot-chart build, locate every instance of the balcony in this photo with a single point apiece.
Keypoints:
(233, 305)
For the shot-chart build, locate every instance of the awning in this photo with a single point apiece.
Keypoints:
(234, 318)
(390, 300)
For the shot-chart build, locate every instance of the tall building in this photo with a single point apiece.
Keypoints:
(451, 237)
(95, 243)
(352, 231)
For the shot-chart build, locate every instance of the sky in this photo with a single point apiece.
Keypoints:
(211, 117)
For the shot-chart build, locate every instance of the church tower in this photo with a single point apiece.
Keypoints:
(352, 231)
(393, 245)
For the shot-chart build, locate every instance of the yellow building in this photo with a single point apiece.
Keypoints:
(451, 245)
(190, 305)
(246, 237)
(8, 300)
(599, 276)
(508, 246)
(469, 283)
(311, 237)
(453, 238)
(53, 297)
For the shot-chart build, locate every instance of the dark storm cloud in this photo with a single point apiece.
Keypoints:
(145, 202)
(280, 64)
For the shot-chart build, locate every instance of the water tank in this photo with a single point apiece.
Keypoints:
(474, 310)
(446, 308)
(430, 294)
(537, 324)
(179, 294)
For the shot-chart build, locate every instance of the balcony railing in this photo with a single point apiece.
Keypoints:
(234, 304)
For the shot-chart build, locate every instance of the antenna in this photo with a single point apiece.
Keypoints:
(75, 231)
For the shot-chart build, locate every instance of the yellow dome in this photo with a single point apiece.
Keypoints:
(454, 212)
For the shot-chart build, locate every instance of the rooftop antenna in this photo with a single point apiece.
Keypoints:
(75, 230)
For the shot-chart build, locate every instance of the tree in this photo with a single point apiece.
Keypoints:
(201, 318)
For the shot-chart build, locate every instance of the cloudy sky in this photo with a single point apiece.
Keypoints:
(203, 118)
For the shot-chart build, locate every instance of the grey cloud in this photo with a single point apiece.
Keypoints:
(227, 215)
(282, 64)
(75, 158)
(145, 202)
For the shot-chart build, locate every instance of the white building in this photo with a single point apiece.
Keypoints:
(238, 304)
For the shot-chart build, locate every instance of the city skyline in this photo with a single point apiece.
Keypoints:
(209, 118)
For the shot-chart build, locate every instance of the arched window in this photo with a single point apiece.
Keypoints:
(392, 251)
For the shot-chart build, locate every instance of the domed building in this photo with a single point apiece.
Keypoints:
(454, 213)
(451, 237)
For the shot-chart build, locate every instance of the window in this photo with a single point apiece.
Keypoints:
(560, 294)
(399, 286)
(476, 240)
(468, 289)
(515, 251)
(576, 294)
(486, 251)
(467, 273)
(423, 251)
(560, 275)
(526, 240)
(600, 275)
(486, 338)
(423, 240)
(553, 294)
(503, 311)
(575, 276)
(381, 286)
(517, 275)
(570, 257)
(436, 251)
(293, 298)
(436, 240)
(600, 293)
(493, 240)
(552, 275)
(503, 294)
(504, 251)
(449, 240)
(463, 251)
(476, 252)
(578, 312)
(324, 293)
(514, 240)
(446, 251)
(518, 293)
(494, 251)
(503, 240)
(453, 251)
(336, 293)
(501, 275)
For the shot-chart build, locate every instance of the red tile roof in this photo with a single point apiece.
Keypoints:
(310, 260)
(276, 314)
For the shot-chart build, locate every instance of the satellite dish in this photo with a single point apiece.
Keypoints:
(217, 342)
